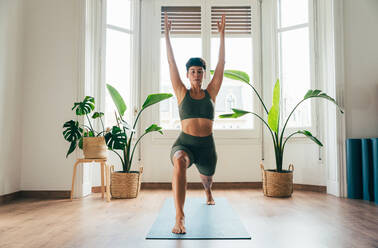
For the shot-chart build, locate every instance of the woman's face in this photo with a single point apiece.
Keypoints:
(195, 75)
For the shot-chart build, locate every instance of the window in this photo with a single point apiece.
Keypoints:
(118, 60)
(189, 38)
(294, 51)
(233, 94)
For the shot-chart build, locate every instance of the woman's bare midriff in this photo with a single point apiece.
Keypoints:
(197, 126)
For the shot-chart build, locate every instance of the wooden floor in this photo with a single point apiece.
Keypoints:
(307, 219)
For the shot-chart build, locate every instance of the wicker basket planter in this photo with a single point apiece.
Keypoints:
(277, 184)
(95, 147)
(125, 185)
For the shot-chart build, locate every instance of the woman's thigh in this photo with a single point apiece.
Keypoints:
(207, 160)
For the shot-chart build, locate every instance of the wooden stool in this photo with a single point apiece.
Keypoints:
(104, 165)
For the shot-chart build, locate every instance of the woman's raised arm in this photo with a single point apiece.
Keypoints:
(177, 84)
(216, 82)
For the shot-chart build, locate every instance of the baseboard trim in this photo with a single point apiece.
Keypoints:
(46, 194)
(308, 187)
(9, 197)
(40, 194)
(223, 185)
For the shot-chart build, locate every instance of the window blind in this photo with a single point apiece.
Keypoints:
(238, 19)
(185, 20)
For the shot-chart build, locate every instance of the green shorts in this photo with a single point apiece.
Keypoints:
(201, 152)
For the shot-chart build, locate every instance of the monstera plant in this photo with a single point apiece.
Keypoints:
(75, 132)
(120, 137)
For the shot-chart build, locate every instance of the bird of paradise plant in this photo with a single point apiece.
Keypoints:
(273, 121)
(120, 137)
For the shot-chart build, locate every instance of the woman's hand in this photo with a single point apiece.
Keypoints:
(167, 24)
(222, 25)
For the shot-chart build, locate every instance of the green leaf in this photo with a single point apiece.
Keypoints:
(72, 148)
(97, 115)
(227, 116)
(237, 113)
(155, 98)
(84, 107)
(72, 131)
(154, 128)
(312, 93)
(274, 112)
(117, 99)
(309, 135)
(116, 139)
(236, 75)
(318, 93)
(81, 143)
(89, 134)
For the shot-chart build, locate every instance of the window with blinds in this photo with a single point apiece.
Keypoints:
(185, 20)
(238, 19)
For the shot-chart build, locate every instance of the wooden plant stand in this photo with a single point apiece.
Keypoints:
(104, 166)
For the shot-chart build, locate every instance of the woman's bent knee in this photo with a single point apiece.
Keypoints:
(181, 160)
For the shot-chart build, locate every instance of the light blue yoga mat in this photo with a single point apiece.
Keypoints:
(202, 221)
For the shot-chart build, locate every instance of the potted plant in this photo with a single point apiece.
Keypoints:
(126, 183)
(277, 182)
(86, 137)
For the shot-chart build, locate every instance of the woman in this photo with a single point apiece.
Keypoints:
(196, 108)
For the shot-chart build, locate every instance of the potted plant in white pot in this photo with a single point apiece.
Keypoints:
(86, 137)
(276, 182)
(126, 183)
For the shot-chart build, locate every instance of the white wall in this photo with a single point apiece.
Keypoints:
(50, 88)
(11, 40)
(361, 67)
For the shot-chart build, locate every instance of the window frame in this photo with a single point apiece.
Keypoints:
(314, 128)
(134, 32)
(227, 134)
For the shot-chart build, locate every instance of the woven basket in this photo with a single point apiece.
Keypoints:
(277, 184)
(95, 147)
(125, 185)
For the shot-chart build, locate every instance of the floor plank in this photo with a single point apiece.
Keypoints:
(307, 219)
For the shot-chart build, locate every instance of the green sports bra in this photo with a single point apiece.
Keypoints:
(196, 108)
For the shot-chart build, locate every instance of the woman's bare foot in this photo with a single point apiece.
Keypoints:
(179, 226)
(210, 199)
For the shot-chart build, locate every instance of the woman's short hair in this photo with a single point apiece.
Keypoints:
(195, 62)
